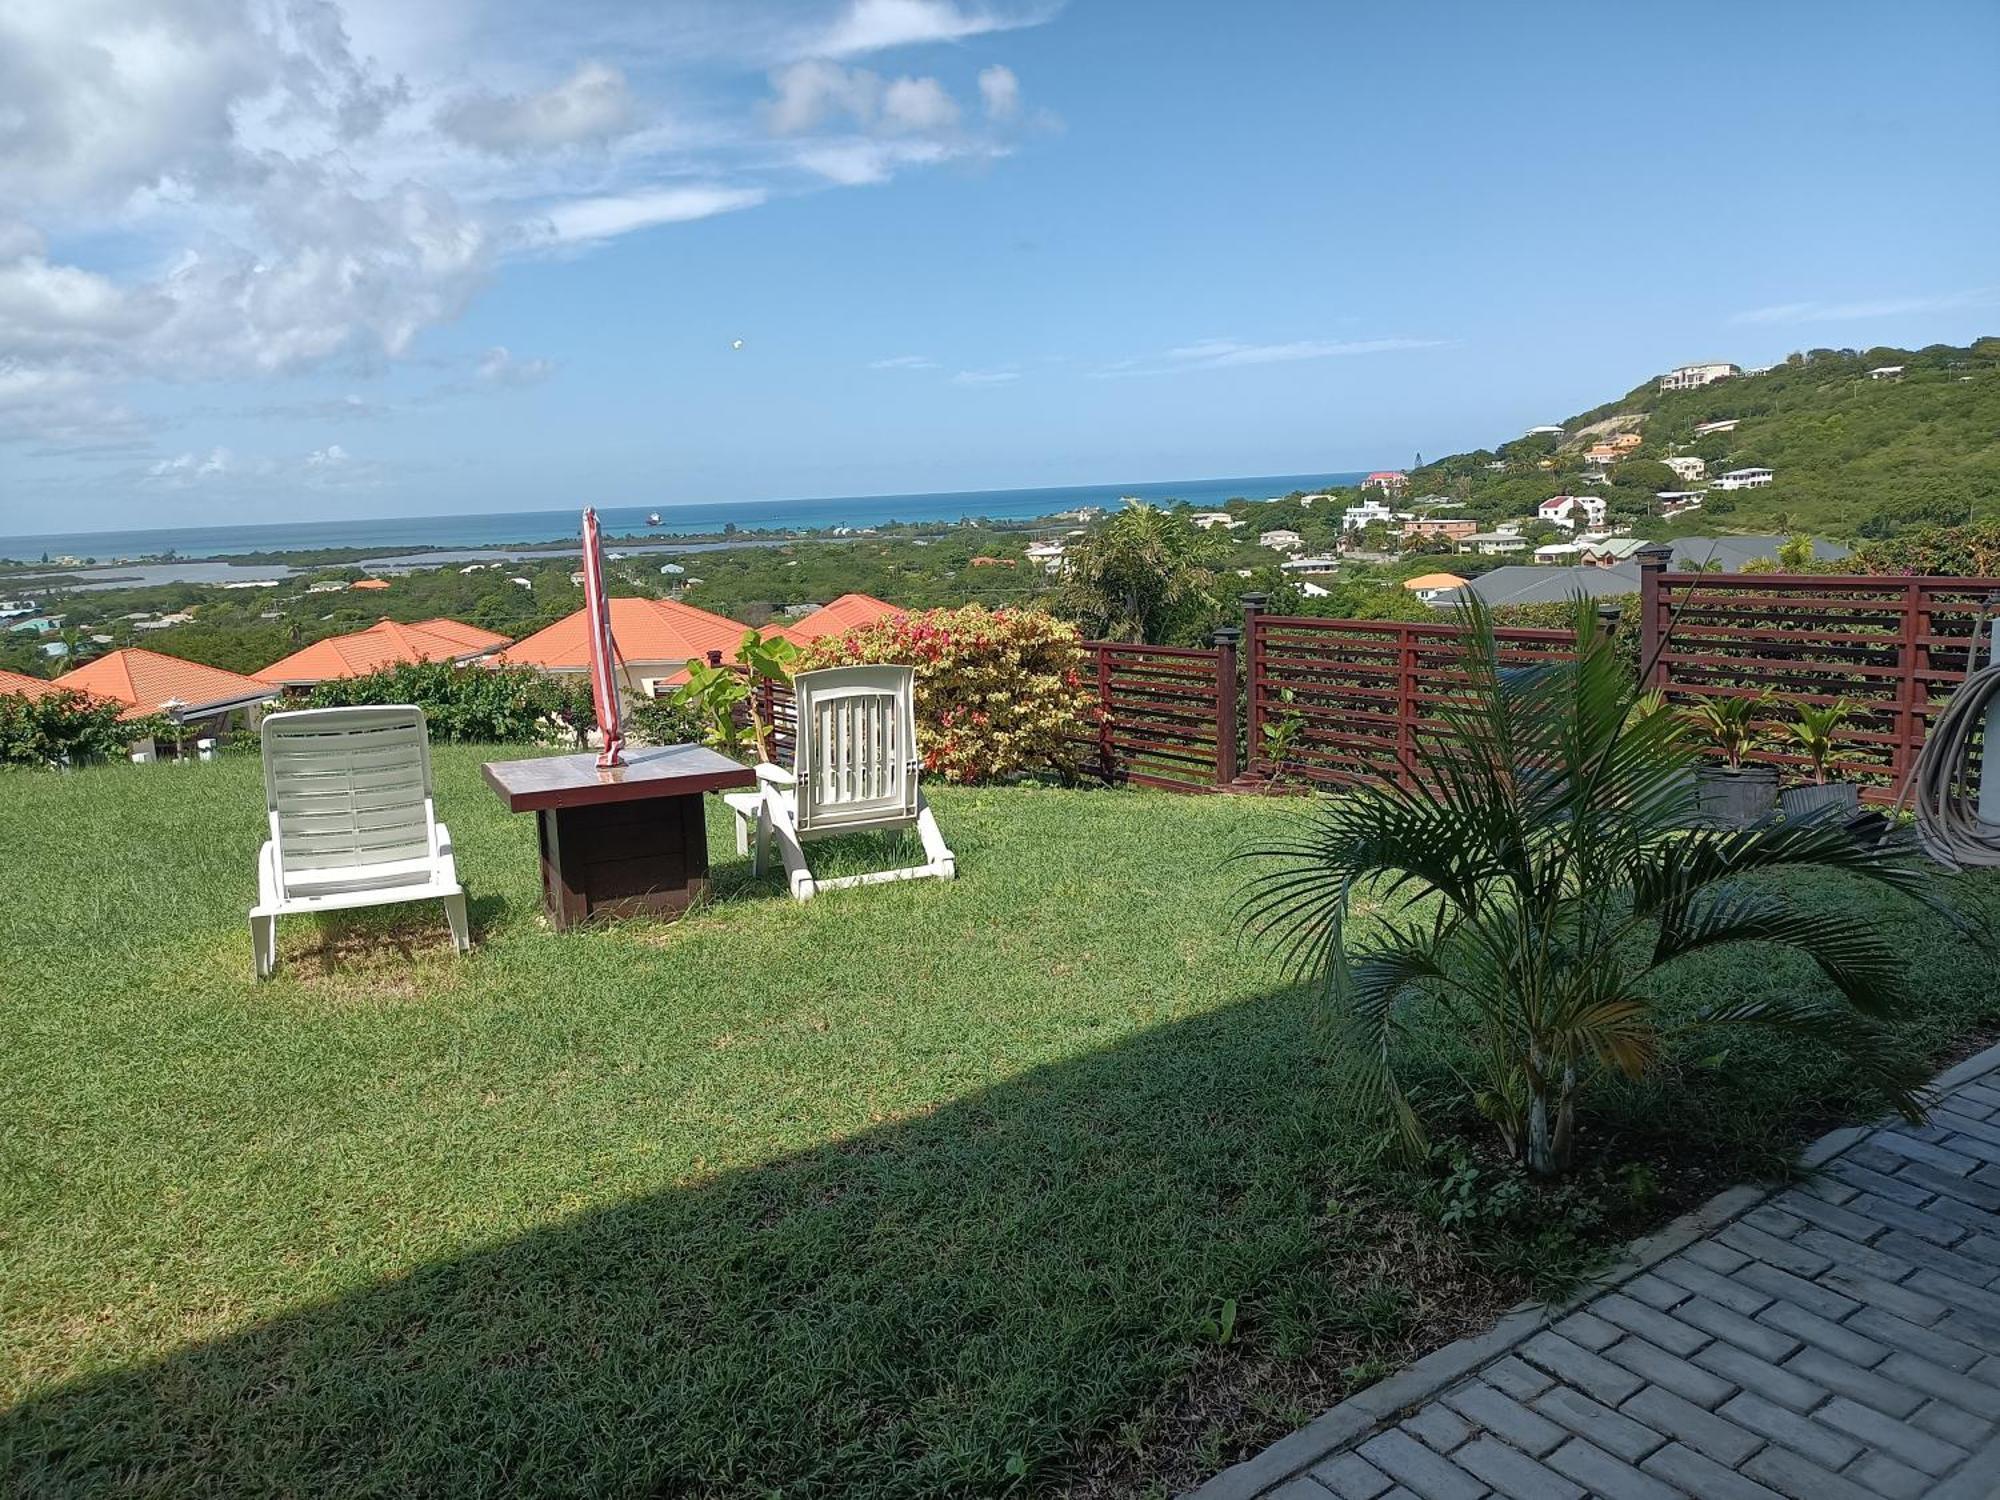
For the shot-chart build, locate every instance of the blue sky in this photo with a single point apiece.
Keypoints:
(271, 261)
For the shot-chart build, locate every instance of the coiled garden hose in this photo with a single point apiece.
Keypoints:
(1942, 789)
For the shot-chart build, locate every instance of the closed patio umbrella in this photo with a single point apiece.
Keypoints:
(603, 649)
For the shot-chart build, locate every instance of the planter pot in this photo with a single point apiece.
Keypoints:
(1837, 800)
(1735, 799)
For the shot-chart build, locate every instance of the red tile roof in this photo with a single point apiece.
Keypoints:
(21, 685)
(383, 644)
(369, 583)
(837, 618)
(147, 679)
(647, 631)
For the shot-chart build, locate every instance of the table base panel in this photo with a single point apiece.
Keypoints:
(623, 859)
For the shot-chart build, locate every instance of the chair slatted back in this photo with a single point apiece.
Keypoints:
(348, 788)
(856, 754)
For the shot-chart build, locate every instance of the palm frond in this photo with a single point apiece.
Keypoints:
(1854, 956)
(1863, 1043)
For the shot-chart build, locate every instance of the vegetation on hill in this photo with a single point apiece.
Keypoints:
(1854, 455)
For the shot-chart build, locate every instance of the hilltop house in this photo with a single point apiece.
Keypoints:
(1674, 502)
(369, 584)
(1208, 520)
(1493, 543)
(1722, 424)
(1885, 372)
(382, 645)
(1743, 479)
(1388, 481)
(201, 701)
(1451, 528)
(1546, 429)
(1427, 586)
(655, 639)
(1566, 510)
(1693, 377)
(1625, 442)
(1687, 468)
(1317, 564)
(1280, 540)
(1366, 514)
(849, 611)
(1048, 554)
(1601, 454)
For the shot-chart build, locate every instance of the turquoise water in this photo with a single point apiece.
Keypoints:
(510, 527)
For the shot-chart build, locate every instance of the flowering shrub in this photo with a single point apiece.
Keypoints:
(998, 692)
(504, 705)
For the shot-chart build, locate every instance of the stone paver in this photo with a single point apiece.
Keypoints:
(1838, 1340)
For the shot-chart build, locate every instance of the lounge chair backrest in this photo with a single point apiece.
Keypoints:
(856, 754)
(349, 789)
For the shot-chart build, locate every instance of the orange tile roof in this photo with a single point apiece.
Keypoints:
(147, 679)
(383, 644)
(646, 631)
(837, 617)
(19, 683)
(1434, 581)
(369, 583)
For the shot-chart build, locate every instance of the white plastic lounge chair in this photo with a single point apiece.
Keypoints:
(348, 791)
(854, 768)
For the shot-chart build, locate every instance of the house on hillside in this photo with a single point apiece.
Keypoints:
(1546, 429)
(1451, 528)
(1493, 543)
(1281, 540)
(1210, 520)
(1568, 511)
(1601, 454)
(655, 638)
(1367, 513)
(1427, 586)
(1608, 551)
(203, 702)
(1048, 554)
(1625, 442)
(1885, 372)
(1742, 479)
(382, 645)
(369, 584)
(838, 616)
(1687, 467)
(1557, 552)
(1721, 424)
(1317, 564)
(1693, 377)
(1674, 502)
(1388, 481)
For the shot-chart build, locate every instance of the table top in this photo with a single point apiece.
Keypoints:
(576, 781)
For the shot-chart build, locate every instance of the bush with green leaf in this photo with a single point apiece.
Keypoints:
(499, 705)
(1000, 693)
(664, 721)
(65, 727)
(1539, 881)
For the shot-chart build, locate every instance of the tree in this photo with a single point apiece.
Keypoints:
(1543, 877)
(1147, 576)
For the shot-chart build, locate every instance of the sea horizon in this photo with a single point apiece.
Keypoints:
(499, 529)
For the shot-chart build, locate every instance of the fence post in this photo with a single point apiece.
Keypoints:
(1253, 677)
(1224, 641)
(1909, 723)
(1653, 622)
(1406, 703)
(1103, 710)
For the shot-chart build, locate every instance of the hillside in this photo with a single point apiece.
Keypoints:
(1853, 456)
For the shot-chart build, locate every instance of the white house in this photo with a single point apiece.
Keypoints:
(1673, 502)
(1281, 540)
(1724, 424)
(1312, 590)
(1048, 554)
(1687, 468)
(1885, 372)
(1320, 564)
(1557, 552)
(1208, 520)
(1693, 377)
(1493, 543)
(1366, 514)
(1546, 429)
(1744, 479)
(1566, 510)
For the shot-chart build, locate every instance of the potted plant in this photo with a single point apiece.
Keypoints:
(1731, 795)
(1813, 734)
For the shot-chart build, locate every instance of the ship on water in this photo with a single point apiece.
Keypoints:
(652, 518)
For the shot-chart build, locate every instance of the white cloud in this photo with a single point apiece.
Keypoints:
(918, 105)
(587, 219)
(1222, 354)
(985, 377)
(1880, 307)
(594, 104)
(875, 25)
(190, 469)
(499, 367)
(1001, 91)
(904, 362)
(806, 94)
(332, 456)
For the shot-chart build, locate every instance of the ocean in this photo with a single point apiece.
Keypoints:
(520, 528)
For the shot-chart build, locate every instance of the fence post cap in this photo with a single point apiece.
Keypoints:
(1255, 601)
(1654, 555)
(1226, 635)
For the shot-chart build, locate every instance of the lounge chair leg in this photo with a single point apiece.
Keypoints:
(743, 835)
(461, 926)
(760, 859)
(936, 851)
(264, 945)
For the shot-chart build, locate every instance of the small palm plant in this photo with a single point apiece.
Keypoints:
(1544, 874)
(1728, 724)
(1813, 734)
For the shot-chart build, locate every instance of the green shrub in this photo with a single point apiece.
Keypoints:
(999, 692)
(664, 721)
(66, 727)
(480, 704)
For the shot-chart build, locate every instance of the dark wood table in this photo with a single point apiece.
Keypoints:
(628, 841)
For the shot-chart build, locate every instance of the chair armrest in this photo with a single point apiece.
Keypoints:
(774, 775)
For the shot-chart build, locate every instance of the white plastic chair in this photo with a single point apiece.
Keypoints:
(348, 792)
(854, 769)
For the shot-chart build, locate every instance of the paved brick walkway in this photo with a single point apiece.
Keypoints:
(1836, 1341)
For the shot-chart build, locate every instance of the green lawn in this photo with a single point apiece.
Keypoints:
(915, 1190)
